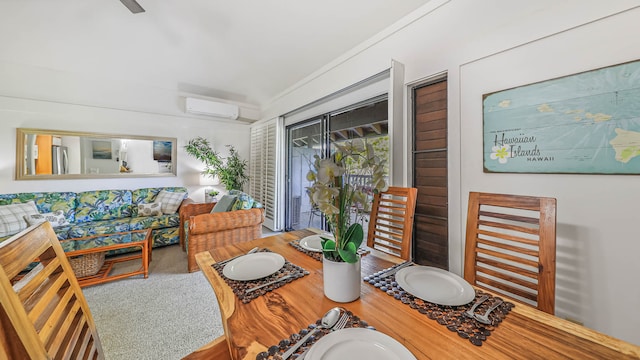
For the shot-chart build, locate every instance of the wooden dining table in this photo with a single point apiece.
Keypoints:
(251, 328)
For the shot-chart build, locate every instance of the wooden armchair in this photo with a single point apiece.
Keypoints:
(208, 231)
(43, 314)
(189, 208)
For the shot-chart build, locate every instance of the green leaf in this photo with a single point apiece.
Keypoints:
(329, 249)
(351, 248)
(328, 245)
(354, 235)
(348, 255)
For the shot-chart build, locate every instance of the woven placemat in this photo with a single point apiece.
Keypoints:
(276, 351)
(239, 287)
(318, 255)
(450, 316)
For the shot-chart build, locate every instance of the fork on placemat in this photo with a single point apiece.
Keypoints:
(342, 322)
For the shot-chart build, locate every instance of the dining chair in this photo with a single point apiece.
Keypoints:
(313, 211)
(391, 221)
(43, 313)
(511, 247)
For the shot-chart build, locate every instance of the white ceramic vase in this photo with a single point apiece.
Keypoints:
(342, 281)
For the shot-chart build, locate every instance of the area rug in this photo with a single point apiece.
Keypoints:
(166, 316)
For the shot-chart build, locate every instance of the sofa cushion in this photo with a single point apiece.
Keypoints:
(99, 227)
(170, 201)
(56, 219)
(12, 217)
(243, 202)
(224, 204)
(103, 205)
(166, 236)
(46, 202)
(153, 209)
(62, 232)
(154, 222)
(148, 195)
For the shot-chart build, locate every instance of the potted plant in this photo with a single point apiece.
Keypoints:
(230, 170)
(210, 195)
(336, 193)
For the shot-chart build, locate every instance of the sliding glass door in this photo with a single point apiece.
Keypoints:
(367, 121)
(304, 140)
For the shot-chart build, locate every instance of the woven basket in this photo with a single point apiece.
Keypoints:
(87, 265)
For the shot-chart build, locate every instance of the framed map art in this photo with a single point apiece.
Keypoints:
(587, 123)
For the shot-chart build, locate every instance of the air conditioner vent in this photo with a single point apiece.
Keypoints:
(211, 108)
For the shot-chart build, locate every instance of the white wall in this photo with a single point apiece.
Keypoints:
(36, 97)
(486, 46)
(597, 242)
(73, 143)
(24, 112)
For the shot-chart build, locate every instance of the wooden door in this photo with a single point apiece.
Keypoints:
(431, 241)
(43, 162)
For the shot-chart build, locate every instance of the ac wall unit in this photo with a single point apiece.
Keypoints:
(211, 108)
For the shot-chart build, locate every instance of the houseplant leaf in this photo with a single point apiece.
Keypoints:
(354, 235)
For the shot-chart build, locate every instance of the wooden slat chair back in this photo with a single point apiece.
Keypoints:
(44, 314)
(511, 247)
(391, 221)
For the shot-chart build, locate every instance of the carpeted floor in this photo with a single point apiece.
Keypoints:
(166, 316)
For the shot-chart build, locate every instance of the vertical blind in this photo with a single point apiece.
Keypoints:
(263, 169)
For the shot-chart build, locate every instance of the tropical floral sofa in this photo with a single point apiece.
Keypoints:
(104, 212)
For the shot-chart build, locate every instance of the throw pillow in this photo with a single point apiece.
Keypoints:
(12, 217)
(224, 204)
(170, 201)
(153, 209)
(243, 201)
(56, 219)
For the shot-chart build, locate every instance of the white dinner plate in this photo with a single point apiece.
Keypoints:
(314, 242)
(253, 266)
(435, 285)
(358, 343)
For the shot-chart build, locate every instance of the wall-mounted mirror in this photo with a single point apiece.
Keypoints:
(55, 154)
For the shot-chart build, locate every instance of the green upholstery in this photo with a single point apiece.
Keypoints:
(103, 212)
(46, 202)
(103, 205)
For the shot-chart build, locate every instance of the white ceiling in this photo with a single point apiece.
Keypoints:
(239, 50)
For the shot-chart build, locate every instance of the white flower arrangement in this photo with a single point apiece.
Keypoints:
(336, 195)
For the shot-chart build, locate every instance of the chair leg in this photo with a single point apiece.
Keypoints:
(310, 217)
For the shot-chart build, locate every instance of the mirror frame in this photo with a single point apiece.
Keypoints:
(20, 153)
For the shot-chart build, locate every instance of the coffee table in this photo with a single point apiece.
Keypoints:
(103, 275)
